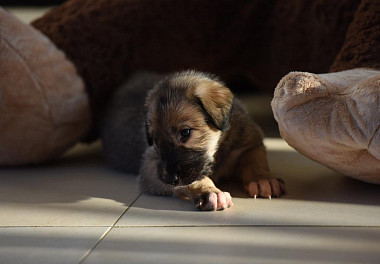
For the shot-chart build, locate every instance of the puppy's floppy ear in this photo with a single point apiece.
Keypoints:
(216, 100)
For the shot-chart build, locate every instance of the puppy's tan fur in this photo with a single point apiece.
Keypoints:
(223, 142)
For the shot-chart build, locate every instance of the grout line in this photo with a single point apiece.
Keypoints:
(107, 231)
(221, 225)
(259, 226)
(96, 244)
(126, 210)
(53, 226)
(188, 225)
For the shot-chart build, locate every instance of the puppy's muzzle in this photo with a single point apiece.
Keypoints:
(168, 176)
(171, 179)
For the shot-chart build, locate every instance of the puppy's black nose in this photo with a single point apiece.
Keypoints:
(171, 179)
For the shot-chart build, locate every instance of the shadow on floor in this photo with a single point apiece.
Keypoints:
(85, 174)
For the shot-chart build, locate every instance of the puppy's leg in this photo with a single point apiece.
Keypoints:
(204, 195)
(148, 179)
(256, 176)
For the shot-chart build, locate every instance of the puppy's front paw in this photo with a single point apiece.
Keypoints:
(266, 188)
(213, 201)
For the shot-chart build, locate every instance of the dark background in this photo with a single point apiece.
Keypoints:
(30, 2)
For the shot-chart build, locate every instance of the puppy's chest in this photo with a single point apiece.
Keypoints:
(227, 162)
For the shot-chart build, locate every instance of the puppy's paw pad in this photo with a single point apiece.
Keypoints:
(214, 201)
(266, 188)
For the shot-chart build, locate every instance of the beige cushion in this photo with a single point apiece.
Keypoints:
(333, 119)
(43, 106)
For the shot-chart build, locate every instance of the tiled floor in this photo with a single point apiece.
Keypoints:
(78, 210)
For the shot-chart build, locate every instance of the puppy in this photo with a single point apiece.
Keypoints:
(199, 133)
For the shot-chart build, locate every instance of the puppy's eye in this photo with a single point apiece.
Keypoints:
(185, 132)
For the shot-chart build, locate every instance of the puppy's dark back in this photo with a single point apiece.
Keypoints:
(122, 129)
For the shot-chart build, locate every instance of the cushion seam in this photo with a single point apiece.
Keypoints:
(373, 136)
(33, 77)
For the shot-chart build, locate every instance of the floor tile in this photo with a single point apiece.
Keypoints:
(238, 245)
(310, 181)
(316, 196)
(166, 211)
(38, 245)
(28, 14)
(77, 190)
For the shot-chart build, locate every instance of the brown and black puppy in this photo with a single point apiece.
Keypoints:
(198, 133)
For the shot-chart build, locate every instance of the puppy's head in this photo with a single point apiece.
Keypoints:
(186, 114)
